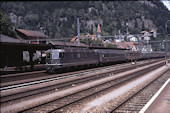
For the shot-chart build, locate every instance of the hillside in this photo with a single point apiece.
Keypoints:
(58, 19)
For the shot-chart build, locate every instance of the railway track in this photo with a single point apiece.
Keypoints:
(88, 92)
(20, 76)
(15, 79)
(65, 101)
(139, 99)
(59, 86)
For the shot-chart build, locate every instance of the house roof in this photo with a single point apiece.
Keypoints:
(31, 33)
(73, 40)
(5, 38)
(124, 44)
(143, 31)
(152, 31)
(91, 35)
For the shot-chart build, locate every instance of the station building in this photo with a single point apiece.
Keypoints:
(12, 51)
(30, 36)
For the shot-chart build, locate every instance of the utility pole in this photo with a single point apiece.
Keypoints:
(166, 44)
(78, 32)
(119, 39)
(127, 32)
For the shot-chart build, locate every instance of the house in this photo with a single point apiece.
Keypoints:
(153, 33)
(75, 38)
(92, 37)
(124, 45)
(31, 36)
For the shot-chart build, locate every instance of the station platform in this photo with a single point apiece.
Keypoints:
(27, 68)
(160, 102)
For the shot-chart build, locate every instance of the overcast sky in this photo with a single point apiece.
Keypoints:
(166, 3)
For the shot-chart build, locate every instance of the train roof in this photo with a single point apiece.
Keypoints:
(55, 50)
(89, 47)
(97, 47)
(70, 50)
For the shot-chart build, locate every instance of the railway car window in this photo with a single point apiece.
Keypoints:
(48, 55)
(61, 55)
(55, 55)
(78, 55)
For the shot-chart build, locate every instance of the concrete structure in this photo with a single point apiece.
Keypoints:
(12, 52)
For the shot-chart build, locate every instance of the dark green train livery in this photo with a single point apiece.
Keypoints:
(84, 57)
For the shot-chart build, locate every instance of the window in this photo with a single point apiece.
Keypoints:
(102, 55)
(48, 55)
(61, 55)
(78, 55)
(55, 55)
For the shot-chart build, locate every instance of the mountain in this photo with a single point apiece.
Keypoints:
(57, 19)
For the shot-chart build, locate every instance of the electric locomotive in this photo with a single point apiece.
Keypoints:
(69, 58)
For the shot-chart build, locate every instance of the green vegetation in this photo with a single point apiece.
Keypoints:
(109, 45)
(58, 19)
(88, 41)
(6, 25)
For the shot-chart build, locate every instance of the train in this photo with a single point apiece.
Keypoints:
(58, 59)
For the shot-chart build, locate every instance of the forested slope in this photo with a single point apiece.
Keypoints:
(58, 19)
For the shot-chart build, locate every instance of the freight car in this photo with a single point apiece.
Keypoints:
(57, 59)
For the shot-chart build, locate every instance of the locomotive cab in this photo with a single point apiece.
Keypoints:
(53, 58)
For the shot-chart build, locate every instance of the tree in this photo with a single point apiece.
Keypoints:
(6, 25)
(143, 26)
(91, 31)
(109, 45)
(119, 25)
(136, 24)
(50, 15)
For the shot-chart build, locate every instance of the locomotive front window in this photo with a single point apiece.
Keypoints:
(55, 55)
(61, 55)
(48, 55)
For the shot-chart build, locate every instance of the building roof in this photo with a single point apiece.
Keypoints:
(73, 40)
(5, 38)
(66, 43)
(92, 37)
(31, 33)
(142, 36)
(152, 31)
(143, 31)
(125, 45)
